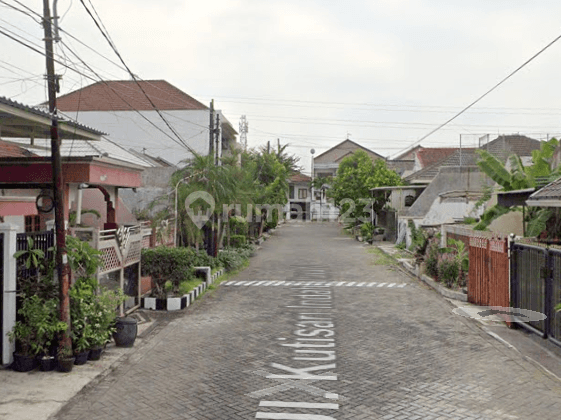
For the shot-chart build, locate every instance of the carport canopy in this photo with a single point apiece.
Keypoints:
(22, 121)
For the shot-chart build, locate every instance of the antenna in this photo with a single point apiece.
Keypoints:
(243, 131)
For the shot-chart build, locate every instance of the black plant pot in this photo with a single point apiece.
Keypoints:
(66, 364)
(47, 363)
(81, 358)
(24, 363)
(95, 353)
(126, 332)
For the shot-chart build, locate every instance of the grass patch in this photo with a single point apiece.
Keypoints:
(381, 258)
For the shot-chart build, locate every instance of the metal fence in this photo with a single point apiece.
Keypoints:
(44, 241)
(536, 286)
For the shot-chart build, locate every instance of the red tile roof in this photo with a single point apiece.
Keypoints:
(13, 150)
(126, 95)
(299, 177)
(430, 155)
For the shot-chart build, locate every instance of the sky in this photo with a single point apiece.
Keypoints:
(311, 73)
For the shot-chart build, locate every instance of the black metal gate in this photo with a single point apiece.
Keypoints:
(1, 296)
(536, 286)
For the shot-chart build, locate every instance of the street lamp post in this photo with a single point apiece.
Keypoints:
(175, 212)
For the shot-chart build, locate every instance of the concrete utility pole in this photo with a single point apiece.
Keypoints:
(217, 141)
(243, 132)
(211, 129)
(61, 259)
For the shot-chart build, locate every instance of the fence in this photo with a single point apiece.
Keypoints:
(536, 286)
(45, 241)
(488, 280)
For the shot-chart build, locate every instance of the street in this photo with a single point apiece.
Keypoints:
(319, 327)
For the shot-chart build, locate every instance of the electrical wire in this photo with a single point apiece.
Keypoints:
(108, 39)
(485, 94)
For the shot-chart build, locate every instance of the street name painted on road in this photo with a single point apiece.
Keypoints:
(314, 341)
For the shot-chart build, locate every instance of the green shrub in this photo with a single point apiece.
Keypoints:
(448, 269)
(419, 239)
(366, 230)
(238, 240)
(186, 286)
(238, 225)
(431, 258)
(233, 258)
(173, 264)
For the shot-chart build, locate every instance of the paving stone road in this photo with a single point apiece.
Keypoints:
(315, 351)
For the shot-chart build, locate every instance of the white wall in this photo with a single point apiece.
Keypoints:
(131, 130)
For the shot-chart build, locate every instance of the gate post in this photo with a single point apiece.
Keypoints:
(548, 299)
(9, 290)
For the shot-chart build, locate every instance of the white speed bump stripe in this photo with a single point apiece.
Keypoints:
(315, 283)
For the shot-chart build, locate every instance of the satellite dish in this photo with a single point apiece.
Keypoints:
(312, 151)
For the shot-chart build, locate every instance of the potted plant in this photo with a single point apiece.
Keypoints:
(34, 331)
(102, 319)
(81, 309)
(48, 327)
(65, 360)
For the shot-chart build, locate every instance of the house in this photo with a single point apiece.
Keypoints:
(148, 114)
(299, 197)
(89, 163)
(327, 163)
(455, 183)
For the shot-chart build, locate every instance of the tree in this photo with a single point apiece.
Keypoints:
(356, 176)
(521, 177)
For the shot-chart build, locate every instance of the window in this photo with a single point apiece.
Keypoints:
(291, 189)
(32, 223)
(302, 193)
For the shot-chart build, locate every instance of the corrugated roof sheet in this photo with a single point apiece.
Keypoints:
(127, 95)
(45, 114)
(552, 191)
(104, 147)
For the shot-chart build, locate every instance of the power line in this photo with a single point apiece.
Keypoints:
(125, 101)
(110, 42)
(485, 94)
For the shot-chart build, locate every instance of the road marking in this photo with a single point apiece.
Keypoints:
(287, 416)
(286, 404)
(313, 284)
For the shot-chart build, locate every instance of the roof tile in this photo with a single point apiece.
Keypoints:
(127, 95)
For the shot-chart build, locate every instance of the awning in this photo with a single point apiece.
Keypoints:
(22, 121)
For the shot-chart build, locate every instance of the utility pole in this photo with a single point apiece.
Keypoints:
(211, 128)
(217, 140)
(61, 259)
(243, 132)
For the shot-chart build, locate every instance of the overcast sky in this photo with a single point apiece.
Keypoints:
(312, 72)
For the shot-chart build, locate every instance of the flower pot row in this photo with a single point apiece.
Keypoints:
(26, 363)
